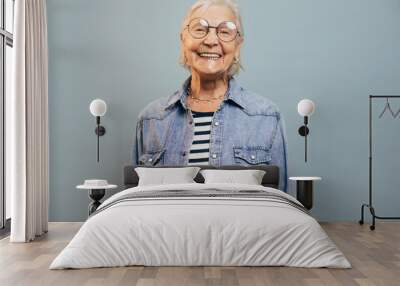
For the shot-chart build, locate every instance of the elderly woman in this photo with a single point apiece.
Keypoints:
(211, 120)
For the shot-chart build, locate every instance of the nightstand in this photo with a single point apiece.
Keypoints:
(304, 190)
(97, 190)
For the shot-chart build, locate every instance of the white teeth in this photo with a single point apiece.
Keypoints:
(210, 56)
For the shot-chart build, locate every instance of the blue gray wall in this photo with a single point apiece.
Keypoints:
(333, 52)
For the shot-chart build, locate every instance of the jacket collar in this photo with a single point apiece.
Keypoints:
(234, 94)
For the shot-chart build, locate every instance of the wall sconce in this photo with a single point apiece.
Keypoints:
(98, 108)
(305, 108)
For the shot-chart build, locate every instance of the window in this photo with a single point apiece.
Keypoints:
(6, 44)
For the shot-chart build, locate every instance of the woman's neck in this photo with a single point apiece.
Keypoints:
(208, 88)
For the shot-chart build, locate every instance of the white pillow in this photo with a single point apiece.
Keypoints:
(248, 177)
(163, 176)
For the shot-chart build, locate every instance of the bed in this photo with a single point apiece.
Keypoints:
(198, 224)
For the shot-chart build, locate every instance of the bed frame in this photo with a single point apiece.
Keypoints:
(270, 179)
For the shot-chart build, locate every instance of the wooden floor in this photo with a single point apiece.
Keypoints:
(375, 257)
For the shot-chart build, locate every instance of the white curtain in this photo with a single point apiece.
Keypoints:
(27, 123)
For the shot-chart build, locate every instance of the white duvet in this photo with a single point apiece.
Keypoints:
(200, 231)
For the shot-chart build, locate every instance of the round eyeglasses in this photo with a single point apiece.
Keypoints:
(226, 31)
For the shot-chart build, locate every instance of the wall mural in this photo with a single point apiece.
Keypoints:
(211, 119)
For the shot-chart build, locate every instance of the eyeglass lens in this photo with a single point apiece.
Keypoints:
(226, 31)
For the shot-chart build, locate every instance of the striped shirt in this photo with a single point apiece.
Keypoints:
(200, 149)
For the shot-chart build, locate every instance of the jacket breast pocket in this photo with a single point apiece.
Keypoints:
(152, 158)
(252, 155)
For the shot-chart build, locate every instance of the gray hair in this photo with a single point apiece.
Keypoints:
(236, 66)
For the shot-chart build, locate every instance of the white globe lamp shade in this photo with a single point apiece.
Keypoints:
(98, 107)
(305, 107)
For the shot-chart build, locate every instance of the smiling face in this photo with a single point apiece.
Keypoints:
(210, 57)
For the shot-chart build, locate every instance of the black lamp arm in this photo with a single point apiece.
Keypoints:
(303, 131)
(100, 131)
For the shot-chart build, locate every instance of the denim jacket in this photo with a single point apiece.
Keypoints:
(247, 129)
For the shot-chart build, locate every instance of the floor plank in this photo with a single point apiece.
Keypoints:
(375, 257)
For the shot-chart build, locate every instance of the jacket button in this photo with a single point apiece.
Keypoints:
(183, 154)
(216, 123)
(214, 156)
(190, 122)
